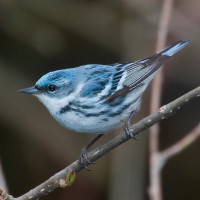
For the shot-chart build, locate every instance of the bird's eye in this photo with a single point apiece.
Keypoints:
(52, 88)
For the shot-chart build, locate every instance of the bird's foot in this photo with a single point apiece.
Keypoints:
(129, 133)
(84, 159)
(128, 126)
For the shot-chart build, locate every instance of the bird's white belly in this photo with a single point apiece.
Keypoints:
(100, 124)
(97, 125)
(100, 119)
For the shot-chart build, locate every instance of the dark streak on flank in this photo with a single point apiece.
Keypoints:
(81, 109)
(121, 110)
(87, 107)
(65, 109)
(96, 114)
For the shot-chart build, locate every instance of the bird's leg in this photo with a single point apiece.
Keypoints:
(127, 126)
(85, 149)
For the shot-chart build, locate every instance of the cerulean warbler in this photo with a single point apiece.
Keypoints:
(99, 98)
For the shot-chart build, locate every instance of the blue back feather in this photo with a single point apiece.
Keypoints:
(96, 77)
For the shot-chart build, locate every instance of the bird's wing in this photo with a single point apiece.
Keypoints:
(130, 75)
(110, 82)
(103, 80)
(97, 77)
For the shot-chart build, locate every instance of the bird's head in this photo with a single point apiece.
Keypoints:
(52, 87)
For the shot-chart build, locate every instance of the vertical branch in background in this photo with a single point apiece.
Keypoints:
(2, 179)
(155, 179)
(133, 180)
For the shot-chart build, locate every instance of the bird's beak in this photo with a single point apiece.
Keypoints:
(30, 90)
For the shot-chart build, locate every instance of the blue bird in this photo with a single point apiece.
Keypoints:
(99, 98)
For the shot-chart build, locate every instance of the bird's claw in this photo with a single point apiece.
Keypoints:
(84, 159)
(127, 128)
(129, 133)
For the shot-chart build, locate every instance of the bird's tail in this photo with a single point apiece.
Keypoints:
(164, 55)
(143, 69)
(171, 49)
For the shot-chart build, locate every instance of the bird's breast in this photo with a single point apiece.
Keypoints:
(94, 117)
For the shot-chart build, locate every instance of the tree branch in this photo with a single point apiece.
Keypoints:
(155, 178)
(59, 179)
(3, 184)
(173, 150)
(2, 178)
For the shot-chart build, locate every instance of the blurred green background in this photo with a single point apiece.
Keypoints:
(41, 36)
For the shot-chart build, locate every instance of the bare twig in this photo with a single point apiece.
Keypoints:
(59, 179)
(2, 178)
(173, 150)
(160, 44)
(3, 184)
(155, 180)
